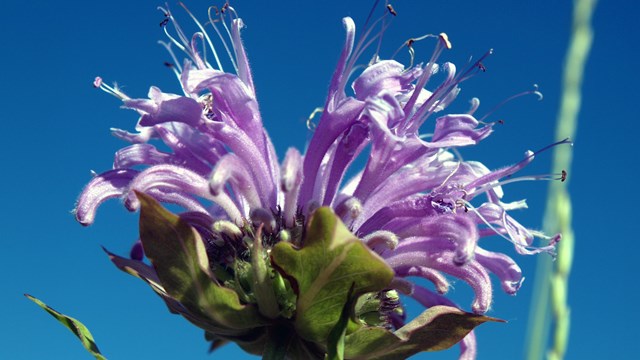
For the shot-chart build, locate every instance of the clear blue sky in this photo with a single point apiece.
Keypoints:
(55, 130)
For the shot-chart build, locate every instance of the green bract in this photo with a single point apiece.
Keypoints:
(323, 270)
(286, 301)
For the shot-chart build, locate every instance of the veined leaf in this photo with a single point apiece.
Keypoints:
(178, 255)
(322, 272)
(437, 328)
(78, 329)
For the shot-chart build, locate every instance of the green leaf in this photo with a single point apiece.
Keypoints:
(437, 328)
(178, 255)
(335, 342)
(78, 329)
(262, 285)
(147, 274)
(323, 271)
(278, 343)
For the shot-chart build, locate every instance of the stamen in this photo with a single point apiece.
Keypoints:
(284, 236)
(166, 19)
(115, 91)
(263, 218)
(206, 36)
(224, 42)
(499, 174)
(550, 177)
(176, 63)
(227, 228)
(183, 44)
(475, 103)
(428, 70)
(381, 238)
(362, 46)
(201, 63)
(310, 124)
(552, 239)
(402, 285)
(513, 97)
(363, 43)
(391, 10)
(474, 68)
(444, 39)
(444, 182)
(548, 249)
(370, 15)
(349, 210)
(233, 46)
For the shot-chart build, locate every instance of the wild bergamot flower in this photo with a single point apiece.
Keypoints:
(250, 224)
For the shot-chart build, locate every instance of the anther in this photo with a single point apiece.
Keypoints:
(284, 236)
(223, 9)
(563, 176)
(381, 238)
(97, 82)
(165, 21)
(391, 10)
(349, 209)
(168, 64)
(310, 124)
(509, 99)
(263, 218)
(445, 40)
(228, 228)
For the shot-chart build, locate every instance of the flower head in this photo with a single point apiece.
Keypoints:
(415, 203)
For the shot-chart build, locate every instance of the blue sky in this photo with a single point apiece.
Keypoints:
(55, 130)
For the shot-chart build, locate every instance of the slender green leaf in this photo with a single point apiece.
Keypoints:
(147, 274)
(323, 271)
(78, 329)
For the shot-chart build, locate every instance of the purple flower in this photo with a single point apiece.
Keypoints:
(415, 203)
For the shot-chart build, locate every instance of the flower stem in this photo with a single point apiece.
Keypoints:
(552, 279)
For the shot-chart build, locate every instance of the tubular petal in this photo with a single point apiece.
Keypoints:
(110, 184)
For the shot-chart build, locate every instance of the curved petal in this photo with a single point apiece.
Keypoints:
(458, 130)
(244, 71)
(348, 147)
(458, 229)
(290, 182)
(472, 273)
(171, 180)
(333, 123)
(440, 281)
(233, 170)
(338, 78)
(110, 184)
(504, 267)
(162, 107)
(384, 76)
(139, 154)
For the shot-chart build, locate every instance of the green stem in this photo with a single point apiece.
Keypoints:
(552, 280)
(279, 340)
